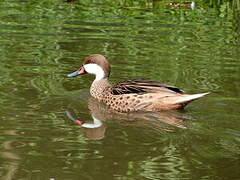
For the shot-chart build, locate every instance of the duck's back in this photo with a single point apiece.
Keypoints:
(134, 95)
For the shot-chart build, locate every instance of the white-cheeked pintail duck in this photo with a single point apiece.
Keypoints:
(132, 95)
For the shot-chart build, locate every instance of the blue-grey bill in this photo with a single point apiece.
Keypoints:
(73, 74)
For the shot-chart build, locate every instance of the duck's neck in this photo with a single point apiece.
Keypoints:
(100, 88)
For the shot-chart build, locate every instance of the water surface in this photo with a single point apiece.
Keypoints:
(196, 50)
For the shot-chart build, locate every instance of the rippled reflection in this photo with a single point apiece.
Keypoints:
(11, 159)
(100, 113)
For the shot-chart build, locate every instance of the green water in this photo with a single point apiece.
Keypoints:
(197, 50)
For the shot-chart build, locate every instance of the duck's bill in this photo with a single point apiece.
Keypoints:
(76, 73)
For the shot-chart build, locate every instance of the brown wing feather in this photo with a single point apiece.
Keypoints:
(142, 86)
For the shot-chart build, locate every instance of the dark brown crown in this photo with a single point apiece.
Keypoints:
(99, 60)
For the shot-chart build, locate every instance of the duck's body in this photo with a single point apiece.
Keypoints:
(132, 95)
(182, 4)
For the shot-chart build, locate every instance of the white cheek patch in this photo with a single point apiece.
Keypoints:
(94, 69)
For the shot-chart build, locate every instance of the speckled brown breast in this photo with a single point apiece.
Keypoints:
(162, 100)
(101, 90)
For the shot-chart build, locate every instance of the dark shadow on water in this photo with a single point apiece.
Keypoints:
(95, 128)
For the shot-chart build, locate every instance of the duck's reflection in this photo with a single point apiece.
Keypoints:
(95, 128)
(8, 152)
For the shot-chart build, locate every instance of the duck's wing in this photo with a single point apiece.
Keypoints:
(142, 86)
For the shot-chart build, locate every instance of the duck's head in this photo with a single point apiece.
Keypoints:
(94, 64)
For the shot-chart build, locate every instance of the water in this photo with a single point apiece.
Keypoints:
(196, 50)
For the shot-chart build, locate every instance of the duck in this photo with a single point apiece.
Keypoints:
(185, 4)
(131, 95)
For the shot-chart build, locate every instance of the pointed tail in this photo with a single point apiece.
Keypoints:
(188, 98)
